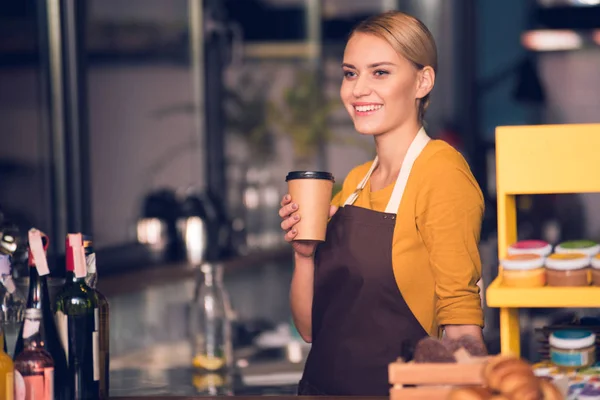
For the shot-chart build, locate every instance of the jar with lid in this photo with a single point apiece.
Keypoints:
(587, 247)
(596, 270)
(573, 348)
(523, 270)
(567, 269)
(539, 247)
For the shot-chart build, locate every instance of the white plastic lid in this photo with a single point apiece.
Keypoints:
(522, 262)
(567, 261)
(572, 339)
(587, 247)
(596, 262)
(539, 247)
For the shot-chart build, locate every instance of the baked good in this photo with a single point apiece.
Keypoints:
(432, 350)
(507, 375)
(471, 344)
(470, 393)
(549, 391)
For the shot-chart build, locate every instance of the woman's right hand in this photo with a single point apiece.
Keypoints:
(289, 213)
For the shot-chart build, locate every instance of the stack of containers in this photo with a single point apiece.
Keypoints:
(534, 263)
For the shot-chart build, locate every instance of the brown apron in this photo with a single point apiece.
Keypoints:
(360, 321)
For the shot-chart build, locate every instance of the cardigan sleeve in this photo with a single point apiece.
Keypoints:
(449, 216)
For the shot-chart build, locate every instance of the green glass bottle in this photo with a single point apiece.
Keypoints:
(77, 319)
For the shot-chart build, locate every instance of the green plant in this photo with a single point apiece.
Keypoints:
(302, 115)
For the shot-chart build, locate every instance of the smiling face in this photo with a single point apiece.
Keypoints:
(381, 89)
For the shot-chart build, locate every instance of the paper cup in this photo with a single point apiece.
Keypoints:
(312, 191)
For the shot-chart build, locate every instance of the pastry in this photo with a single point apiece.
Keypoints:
(432, 350)
(549, 391)
(470, 393)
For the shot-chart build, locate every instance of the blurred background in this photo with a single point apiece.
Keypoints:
(131, 120)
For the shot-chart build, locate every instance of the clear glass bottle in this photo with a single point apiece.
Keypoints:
(34, 364)
(210, 328)
(12, 305)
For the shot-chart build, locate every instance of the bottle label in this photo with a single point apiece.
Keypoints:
(37, 250)
(62, 326)
(30, 328)
(96, 320)
(40, 387)
(49, 382)
(10, 386)
(20, 390)
(96, 348)
(90, 261)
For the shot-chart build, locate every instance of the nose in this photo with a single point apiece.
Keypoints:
(361, 87)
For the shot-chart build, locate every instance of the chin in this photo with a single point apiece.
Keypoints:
(367, 130)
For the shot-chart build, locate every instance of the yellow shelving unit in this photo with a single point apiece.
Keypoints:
(539, 159)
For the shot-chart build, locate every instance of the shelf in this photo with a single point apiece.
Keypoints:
(542, 297)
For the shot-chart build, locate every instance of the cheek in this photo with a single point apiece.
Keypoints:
(345, 91)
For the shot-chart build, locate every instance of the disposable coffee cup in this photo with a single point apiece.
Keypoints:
(312, 191)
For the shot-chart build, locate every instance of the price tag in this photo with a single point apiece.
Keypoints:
(37, 250)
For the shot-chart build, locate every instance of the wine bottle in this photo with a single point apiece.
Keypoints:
(104, 313)
(77, 320)
(7, 375)
(39, 298)
(35, 365)
(12, 305)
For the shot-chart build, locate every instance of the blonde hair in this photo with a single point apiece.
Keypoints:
(409, 37)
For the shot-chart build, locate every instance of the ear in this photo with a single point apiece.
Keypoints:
(425, 82)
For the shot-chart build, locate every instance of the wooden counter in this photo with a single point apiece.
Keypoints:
(256, 398)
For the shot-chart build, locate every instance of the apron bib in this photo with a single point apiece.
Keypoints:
(360, 321)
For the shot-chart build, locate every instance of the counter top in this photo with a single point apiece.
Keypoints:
(158, 275)
(257, 398)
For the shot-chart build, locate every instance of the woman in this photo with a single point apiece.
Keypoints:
(401, 258)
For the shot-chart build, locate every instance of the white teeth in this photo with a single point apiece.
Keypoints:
(372, 107)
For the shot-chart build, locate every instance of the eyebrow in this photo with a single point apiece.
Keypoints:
(374, 65)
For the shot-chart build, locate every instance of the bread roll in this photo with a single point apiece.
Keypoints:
(514, 367)
(549, 391)
(470, 393)
(432, 350)
(529, 391)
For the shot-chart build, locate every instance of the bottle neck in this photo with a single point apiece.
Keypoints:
(38, 289)
(71, 278)
(32, 334)
(212, 274)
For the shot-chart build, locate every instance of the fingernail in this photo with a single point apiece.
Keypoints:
(293, 232)
(295, 206)
(296, 217)
(287, 196)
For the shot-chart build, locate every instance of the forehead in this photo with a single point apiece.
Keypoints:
(365, 49)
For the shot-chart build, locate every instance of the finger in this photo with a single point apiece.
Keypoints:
(285, 200)
(287, 223)
(290, 235)
(332, 210)
(285, 211)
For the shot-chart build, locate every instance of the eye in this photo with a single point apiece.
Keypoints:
(349, 74)
(381, 72)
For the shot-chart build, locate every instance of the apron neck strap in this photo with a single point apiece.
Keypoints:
(415, 148)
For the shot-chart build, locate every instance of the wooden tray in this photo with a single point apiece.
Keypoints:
(434, 381)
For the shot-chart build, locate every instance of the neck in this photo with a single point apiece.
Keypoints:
(392, 147)
(70, 277)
